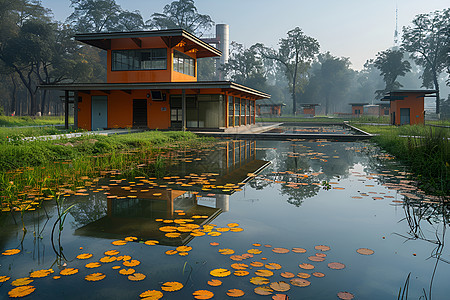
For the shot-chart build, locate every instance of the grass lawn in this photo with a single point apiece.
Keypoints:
(9, 121)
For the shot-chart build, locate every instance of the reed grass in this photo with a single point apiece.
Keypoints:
(10, 121)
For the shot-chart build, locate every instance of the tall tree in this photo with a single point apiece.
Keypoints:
(103, 16)
(181, 14)
(295, 54)
(391, 65)
(428, 42)
(245, 66)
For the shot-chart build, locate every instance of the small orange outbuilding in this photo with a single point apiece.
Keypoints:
(407, 106)
(357, 109)
(309, 109)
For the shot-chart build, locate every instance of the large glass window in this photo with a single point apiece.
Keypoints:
(248, 112)
(132, 60)
(183, 63)
(230, 111)
(243, 106)
(237, 111)
(252, 112)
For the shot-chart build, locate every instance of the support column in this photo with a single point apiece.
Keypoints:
(75, 110)
(66, 109)
(183, 109)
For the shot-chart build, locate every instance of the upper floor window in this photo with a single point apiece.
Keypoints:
(183, 63)
(132, 60)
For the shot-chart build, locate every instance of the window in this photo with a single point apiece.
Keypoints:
(230, 111)
(243, 107)
(132, 60)
(183, 63)
(237, 111)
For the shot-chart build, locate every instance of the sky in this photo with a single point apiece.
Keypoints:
(357, 29)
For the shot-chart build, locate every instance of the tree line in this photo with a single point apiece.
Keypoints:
(36, 49)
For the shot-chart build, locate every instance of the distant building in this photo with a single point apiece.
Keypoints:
(357, 109)
(309, 109)
(407, 106)
(268, 108)
(152, 83)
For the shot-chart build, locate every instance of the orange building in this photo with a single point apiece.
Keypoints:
(407, 106)
(266, 108)
(309, 109)
(152, 83)
(357, 109)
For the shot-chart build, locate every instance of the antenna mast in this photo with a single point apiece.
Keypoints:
(396, 41)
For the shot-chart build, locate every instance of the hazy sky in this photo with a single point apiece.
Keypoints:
(357, 29)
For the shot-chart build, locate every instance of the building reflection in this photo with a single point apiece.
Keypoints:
(140, 213)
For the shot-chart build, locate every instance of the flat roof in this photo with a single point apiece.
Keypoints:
(224, 85)
(400, 94)
(308, 104)
(359, 104)
(171, 38)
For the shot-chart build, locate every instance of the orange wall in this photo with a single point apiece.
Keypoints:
(309, 111)
(355, 107)
(415, 105)
(120, 110)
(167, 75)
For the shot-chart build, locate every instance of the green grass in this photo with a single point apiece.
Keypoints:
(41, 168)
(8, 134)
(424, 149)
(9, 121)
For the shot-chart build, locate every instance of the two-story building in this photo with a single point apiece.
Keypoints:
(152, 83)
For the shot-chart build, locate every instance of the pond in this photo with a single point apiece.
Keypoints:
(287, 215)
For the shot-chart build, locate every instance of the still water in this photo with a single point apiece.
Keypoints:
(256, 198)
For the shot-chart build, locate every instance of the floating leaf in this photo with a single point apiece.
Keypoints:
(303, 275)
(235, 293)
(151, 242)
(237, 257)
(119, 243)
(336, 266)
(322, 248)
(151, 295)
(280, 250)
(95, 277)
(41, 273)
(4, 278)
(203, 294)
(287, 275)
(280, 297)
(173, 234)
(11, 252)
(264, 273)
(68, 271)
(345, 295)
(171, 286)
(321, 255)
(130, 239)
(239, 266)
(214, 244)
(236, 229)
(184, 248)
(22, 281)
(226, 251)
(256, 264)
(280, 286)
(171, 252)
(241, 273)
(365, 251)
(131, 263)
(214, 282)
(111, 252)
(298, 250)
(21, 291)
(220, 272)
(93, 265)
(273, 266)
(306, 266)
(263, 290)
(316, 258)
(254, 251)
(168, 229)
(214, 233)
(108, 259)
(259, 280)
(127, 271)
(84, 256)
(318, 274)
(136, 277)
(300, 282)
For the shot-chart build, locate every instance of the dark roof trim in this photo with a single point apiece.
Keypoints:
(400, 94)
(309, 104)
(157, 86)
(359, 104)
(103, 39)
